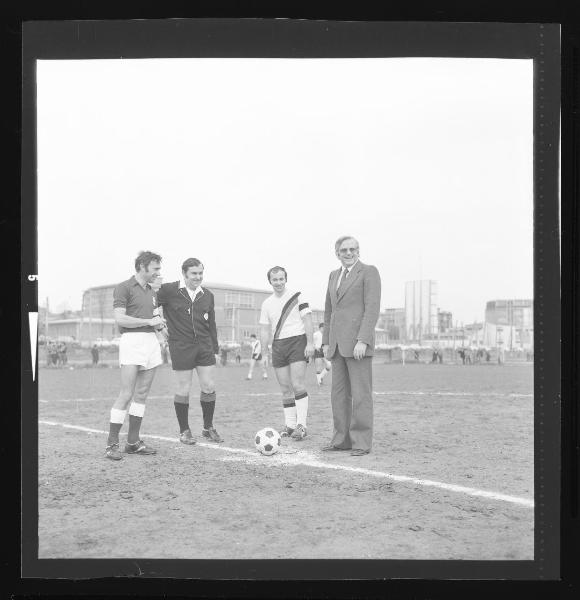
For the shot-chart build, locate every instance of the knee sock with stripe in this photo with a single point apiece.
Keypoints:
(136, 412)
(116, 422)
(289, 412)
(301, 400)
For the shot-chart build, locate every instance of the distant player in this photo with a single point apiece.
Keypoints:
(321, 364)
(193, 344)
(286, 318)
(257, 357)
(95, 355)
(137, 316)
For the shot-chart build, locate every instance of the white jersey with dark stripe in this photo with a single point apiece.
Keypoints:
(272, 310)
(256, 347)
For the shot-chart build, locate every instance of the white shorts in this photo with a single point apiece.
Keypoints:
(140, 348)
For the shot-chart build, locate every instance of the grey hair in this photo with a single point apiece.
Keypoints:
(341, 239)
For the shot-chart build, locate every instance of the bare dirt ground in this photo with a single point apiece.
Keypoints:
(469, 426)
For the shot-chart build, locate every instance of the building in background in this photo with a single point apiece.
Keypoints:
(393, 322)
(444, 320)
(421, 319)
(510, 324)
(317, 317)
(78, 329)
(97, 316)
(237, 311)
(515, 313)
(70, 326)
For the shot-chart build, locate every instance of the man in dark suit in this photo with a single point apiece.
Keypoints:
(351, 313)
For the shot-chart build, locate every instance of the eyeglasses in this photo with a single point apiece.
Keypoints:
(346, 250)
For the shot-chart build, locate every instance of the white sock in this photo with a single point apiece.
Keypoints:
(290, 416)
(302, 409)
(137, 409)
(117, 416)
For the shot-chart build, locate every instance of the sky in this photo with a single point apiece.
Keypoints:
(250, 163)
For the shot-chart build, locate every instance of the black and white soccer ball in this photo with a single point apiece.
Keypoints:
(267, 441)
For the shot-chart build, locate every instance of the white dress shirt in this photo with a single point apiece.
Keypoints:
(343, 271)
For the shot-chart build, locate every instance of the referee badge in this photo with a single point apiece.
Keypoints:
(206, 316)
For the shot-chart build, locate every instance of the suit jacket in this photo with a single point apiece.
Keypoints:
(352, 315)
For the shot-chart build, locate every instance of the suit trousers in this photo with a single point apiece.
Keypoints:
(351, 398)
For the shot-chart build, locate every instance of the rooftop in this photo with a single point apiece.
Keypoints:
(80, 320)
(209, 285)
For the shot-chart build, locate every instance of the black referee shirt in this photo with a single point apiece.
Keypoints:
(188, 321)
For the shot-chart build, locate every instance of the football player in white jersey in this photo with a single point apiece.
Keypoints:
(257, 357)
(286, 319)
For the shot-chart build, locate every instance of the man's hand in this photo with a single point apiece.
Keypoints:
(156, 322)
(309, 350)
(325, 350)
(359, 350)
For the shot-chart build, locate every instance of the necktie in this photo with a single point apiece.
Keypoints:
(342, 282)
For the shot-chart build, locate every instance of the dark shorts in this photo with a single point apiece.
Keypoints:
(256, 357)
(318, 353)
(185, 356)
(288, 350)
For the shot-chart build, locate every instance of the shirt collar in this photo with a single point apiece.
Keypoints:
(349, 269)
(196, 291)
(134, 281)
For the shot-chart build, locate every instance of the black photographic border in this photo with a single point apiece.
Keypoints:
(319, 38)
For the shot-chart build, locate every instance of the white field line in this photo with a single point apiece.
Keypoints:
(423, 393)
(98, 399)
(461, 394)
(270, 394)
(306, 459)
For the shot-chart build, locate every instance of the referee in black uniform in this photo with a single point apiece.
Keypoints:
(190, 315)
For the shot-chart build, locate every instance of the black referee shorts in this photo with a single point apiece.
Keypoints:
(186, 356)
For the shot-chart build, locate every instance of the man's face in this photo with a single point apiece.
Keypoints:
(152, 271)
(348, 252)
(193, 277)
(278, 281)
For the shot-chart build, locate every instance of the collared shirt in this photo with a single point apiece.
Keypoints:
(193, 293)
(189, 320)
(342, 272)
(138, 301)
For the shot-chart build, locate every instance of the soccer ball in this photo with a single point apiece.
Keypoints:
(267, 441)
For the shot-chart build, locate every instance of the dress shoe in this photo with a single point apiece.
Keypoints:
(331, 448)
(359, 452)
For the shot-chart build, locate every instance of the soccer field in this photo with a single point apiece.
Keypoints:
(450, 475)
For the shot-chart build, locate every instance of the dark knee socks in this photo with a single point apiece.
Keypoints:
(207, 408)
